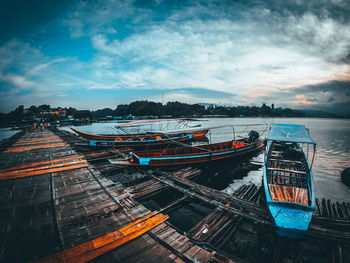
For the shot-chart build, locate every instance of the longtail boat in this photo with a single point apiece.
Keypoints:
(149, 142)
(141, 136)
(188, 155)
(288, 181)
(161, 125)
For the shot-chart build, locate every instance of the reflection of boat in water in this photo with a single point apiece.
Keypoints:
(188, 155)
(288, 180)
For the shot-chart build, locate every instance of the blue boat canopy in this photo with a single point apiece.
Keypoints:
(289, 133)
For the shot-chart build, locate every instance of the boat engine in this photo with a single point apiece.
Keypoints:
(253, 136)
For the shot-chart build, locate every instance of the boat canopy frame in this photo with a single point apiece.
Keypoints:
(289, 133)
(167, 133)
(294, 133)
(148, 126)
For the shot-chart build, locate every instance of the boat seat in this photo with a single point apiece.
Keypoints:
(285, 161)
(286, 170)
(288, 180)
(290, 194)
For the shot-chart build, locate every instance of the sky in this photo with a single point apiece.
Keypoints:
(97, 54)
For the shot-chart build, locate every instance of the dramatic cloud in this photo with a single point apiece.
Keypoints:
(289, 53)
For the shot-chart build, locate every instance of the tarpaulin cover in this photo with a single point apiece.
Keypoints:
(289, 133)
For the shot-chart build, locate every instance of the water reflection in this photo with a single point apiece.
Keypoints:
(7, 132)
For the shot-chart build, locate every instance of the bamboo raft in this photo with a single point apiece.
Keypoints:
(65, 211)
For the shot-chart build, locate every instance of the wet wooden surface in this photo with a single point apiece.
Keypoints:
(48, 212)
(45, 214)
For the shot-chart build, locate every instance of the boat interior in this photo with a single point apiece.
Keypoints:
(189, 150)
(130, 137)
(287, 173)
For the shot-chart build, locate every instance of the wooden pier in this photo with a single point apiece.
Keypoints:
(63, 201)
(55, 206)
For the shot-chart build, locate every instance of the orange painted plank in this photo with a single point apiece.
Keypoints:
(277, 193)
(21, 175)
(41, 168)
(44, 146)
(39, 139)
(34, 143)
(68, 254)
(280, 194)
(272, 193)
(302, 197)
(289, 194)
(99, 246)
(18, 167)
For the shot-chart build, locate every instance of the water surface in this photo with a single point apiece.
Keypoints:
(7, 132)
(333, 152)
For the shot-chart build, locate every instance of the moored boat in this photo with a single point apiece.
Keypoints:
(149, 142)
(288, 180)
(140, 136)
(188, 155)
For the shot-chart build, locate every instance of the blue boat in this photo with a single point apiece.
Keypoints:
(288, 181)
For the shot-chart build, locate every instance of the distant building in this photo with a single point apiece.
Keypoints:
(207, 105)
(60, 112)
(57, 113)
(215, 116)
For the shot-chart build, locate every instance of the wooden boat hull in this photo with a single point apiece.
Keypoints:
(111, 137)
(153, 143)
(290, 221)
(290, 207)
(223, 151)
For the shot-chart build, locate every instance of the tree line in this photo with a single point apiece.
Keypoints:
(149, 108)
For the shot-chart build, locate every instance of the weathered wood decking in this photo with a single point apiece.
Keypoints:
(247, 210)
(85, 213)
(48, 214)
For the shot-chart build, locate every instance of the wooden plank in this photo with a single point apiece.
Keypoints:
(18, 167)
(37, 142)
(40, 139)
(286, 170)
(29, 148)
(283, 193)
(44, 171)
(286, 161)
(41, 168)
(99, 246)
(289, 194)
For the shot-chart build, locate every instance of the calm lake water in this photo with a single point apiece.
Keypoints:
(7, 132)
(333, 152)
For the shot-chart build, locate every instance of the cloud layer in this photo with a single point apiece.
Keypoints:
(288, 53)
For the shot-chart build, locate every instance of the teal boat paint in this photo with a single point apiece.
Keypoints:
(290, 219)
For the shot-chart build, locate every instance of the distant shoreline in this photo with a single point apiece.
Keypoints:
(23, 117)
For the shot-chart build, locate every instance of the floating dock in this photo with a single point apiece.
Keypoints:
(63, 201)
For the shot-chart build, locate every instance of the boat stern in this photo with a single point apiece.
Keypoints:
(291, 221)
